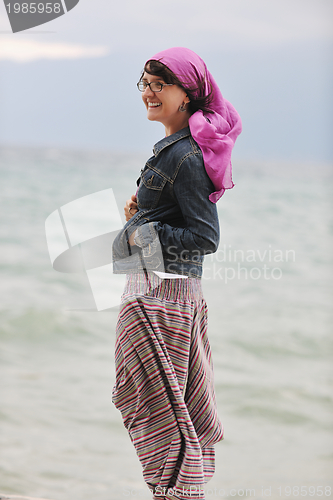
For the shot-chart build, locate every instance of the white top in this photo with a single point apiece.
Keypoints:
(169, 275)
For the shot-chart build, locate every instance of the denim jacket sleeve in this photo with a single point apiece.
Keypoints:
(192, 188)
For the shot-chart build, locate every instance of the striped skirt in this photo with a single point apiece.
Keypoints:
(164, 384)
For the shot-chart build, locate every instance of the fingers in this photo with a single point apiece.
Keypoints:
(131, 207)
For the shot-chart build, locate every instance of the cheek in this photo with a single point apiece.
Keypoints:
(176, 100)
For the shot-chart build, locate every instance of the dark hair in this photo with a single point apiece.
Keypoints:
(194, 92)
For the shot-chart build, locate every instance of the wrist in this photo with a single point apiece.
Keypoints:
(136, 239)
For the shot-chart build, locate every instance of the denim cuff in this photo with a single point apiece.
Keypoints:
(147, 239)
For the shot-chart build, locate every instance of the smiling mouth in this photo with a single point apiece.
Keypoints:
(154, 104)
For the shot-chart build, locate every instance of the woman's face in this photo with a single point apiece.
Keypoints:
(164, 106)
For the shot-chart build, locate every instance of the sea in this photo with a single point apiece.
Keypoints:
(269, 295)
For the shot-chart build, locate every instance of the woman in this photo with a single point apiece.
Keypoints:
(164, 374)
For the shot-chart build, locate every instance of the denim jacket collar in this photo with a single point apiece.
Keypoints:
(167, 141)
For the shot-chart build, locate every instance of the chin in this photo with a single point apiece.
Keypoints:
(150, 118)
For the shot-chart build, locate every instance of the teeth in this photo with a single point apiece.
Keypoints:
(154, 104)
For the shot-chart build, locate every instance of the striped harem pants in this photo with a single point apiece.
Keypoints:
(164, 384)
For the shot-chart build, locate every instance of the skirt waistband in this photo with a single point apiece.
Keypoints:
(174, 289)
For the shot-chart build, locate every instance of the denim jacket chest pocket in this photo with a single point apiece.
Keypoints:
(150, 188)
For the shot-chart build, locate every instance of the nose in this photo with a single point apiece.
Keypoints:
(148, 91)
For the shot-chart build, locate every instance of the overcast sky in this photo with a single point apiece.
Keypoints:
(71, 82)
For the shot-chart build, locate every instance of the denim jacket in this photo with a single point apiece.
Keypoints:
(176, 222)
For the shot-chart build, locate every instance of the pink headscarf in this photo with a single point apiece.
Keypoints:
(215, 132)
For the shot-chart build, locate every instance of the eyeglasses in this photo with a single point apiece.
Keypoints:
(154, 86)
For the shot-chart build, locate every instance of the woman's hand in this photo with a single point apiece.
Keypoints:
(131, 207)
